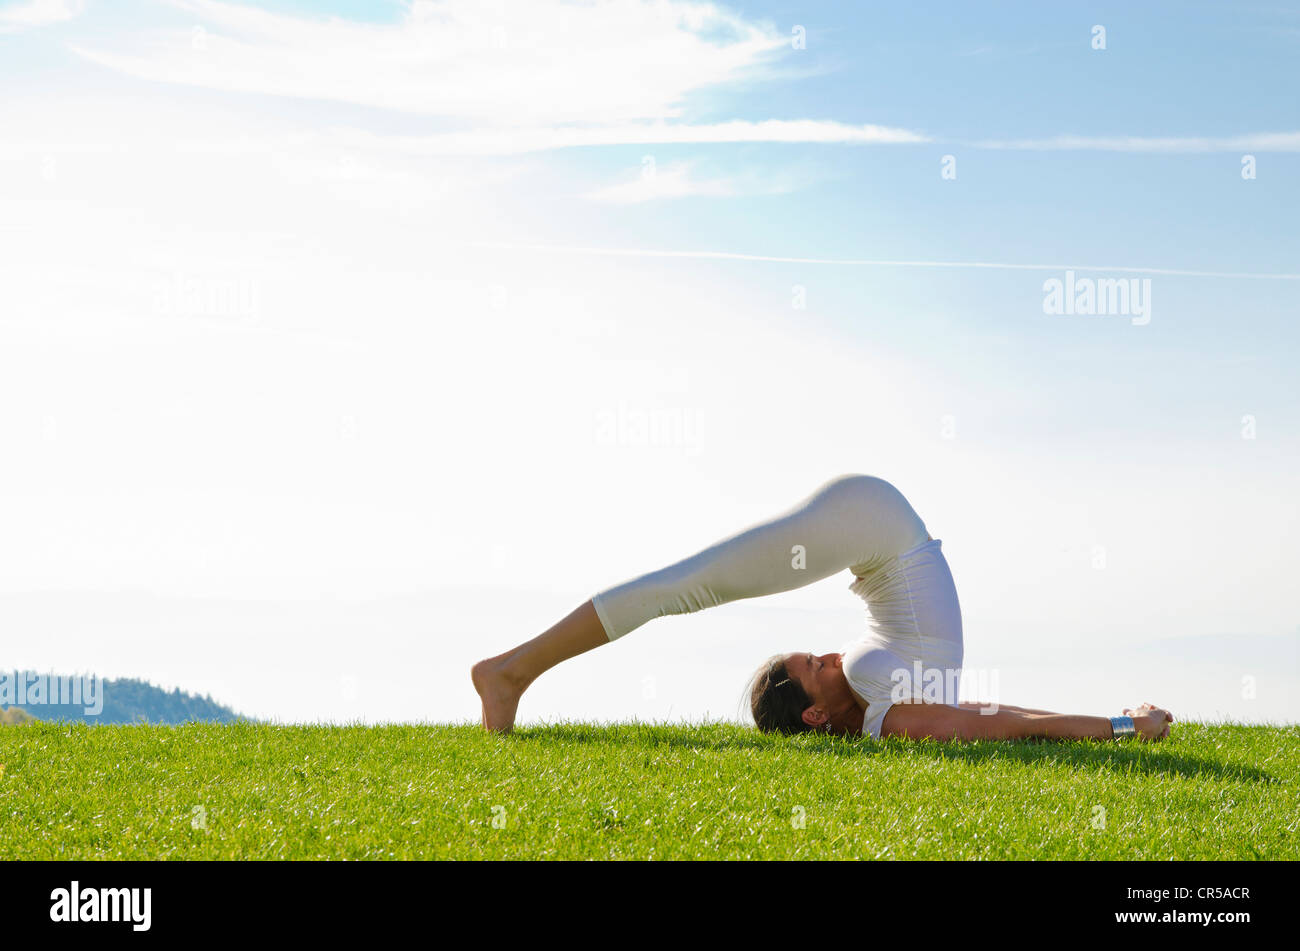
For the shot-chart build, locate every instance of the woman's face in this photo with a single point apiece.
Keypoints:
(821, 678)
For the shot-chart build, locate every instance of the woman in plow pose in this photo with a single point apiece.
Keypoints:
(899, 680)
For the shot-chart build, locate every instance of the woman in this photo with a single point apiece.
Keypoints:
(900, 680)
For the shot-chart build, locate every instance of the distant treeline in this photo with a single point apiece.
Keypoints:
(123, 701)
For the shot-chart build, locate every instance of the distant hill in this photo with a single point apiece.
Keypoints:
(127, 701)
(14, 715)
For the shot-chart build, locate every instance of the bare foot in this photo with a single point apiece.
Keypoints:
(499, 692)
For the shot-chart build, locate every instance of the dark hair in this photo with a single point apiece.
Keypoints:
(776, 701)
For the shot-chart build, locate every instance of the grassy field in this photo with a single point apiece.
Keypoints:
(635, 791)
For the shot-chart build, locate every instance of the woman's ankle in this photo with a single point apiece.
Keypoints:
(512, 668)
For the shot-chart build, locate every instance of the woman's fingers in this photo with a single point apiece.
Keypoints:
(1152, 722)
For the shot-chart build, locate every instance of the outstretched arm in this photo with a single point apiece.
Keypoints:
(974, 705)
(942, 722)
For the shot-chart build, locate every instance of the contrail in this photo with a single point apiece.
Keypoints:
(873, 262)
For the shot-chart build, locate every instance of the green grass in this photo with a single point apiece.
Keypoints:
(576, 791)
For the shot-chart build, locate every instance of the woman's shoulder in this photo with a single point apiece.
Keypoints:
(872, 669)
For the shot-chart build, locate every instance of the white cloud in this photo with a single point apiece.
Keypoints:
(549, 75)
(535, 139)
(34, 13)
(680, 180)
(481, 142)
(1251, 142)
(671, 181)
(879, 262)
(540, 62)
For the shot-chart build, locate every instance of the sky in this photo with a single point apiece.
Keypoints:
(345, 344)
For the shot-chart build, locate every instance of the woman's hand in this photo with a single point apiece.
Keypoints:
(1150, 721)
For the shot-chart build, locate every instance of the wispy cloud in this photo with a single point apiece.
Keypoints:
(33, 13)
(543, 62)
(672, 181)
(880, 262)
(679, 180)
(551, 75)
(532, 139)
(1251, 142)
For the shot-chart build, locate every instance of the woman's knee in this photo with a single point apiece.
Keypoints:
(866, 491)
(878, 510)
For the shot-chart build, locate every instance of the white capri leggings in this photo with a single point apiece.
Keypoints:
(857, 522)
